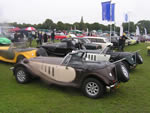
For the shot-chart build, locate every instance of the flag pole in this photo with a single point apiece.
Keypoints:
(110, 19)
(128, 25)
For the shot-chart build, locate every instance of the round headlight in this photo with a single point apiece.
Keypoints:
(132, 59)
(110, 74)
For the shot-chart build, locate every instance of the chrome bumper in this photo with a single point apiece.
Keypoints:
(108, 88)
(132, 67)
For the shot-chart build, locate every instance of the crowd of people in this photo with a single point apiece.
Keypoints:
(43, 37)
(40, 37)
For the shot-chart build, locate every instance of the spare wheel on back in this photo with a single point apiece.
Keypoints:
(139, 58)
(122, 72)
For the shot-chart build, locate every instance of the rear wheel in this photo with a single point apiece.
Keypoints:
(93, 88)
(21, 75)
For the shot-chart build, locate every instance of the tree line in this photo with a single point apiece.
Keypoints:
(49, 24)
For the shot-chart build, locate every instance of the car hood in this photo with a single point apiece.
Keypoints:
(120, 54)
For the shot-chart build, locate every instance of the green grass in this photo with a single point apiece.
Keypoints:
(39, 97)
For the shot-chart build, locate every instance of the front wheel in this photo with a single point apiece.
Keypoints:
(139, 58)
(93, 88)
(21, 75)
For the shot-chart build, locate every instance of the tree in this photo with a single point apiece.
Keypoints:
(48, 24)
(60, 26)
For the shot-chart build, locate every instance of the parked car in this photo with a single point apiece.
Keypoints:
(85, 42)
(147, 37)
(74, 70)
(60, 36)
(67, 45)
(16, 52)
(130, 41)
(131, 60)
(136, 38)
(104, 42)
(148, 50)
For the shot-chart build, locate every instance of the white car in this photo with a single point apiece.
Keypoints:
(104, 42)
(130, 41)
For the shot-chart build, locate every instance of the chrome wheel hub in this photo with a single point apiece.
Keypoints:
(92, 88)
(21, 75)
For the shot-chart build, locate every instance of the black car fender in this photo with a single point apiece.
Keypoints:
(101, 78)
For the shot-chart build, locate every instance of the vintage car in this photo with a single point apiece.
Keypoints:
(15, 52)
(104, 42)
(148, 50)
(85, 42)
(74, 70)
(131, 60)
(67, 45)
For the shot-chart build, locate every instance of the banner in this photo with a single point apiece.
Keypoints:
(145, 31)
(121, 30)
(108, 11)
(112, 18)
(126, 17)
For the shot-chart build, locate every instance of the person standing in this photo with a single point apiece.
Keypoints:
(30, 38)
(40, 38)
(122, 42)
(45, 37)
(16, 37)
(53, 36)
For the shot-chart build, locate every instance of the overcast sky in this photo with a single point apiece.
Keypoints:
(36, 11)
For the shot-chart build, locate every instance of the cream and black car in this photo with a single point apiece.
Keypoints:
(76, 70)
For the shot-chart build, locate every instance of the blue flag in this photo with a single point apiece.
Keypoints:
(112, 15)
(126, 17)
(108, 11)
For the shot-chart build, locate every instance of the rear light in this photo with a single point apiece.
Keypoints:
(114, 81)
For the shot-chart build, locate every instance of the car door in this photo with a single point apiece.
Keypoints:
(55, 72)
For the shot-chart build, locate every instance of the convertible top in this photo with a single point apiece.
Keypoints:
(51, 60)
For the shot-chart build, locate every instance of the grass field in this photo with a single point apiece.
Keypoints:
(39, 97)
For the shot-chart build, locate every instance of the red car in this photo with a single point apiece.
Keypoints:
(60, 36)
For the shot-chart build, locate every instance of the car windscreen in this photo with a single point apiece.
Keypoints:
(85, 40)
